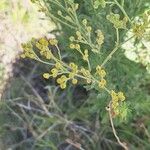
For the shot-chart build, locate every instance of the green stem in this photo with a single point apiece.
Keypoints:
(114, 50)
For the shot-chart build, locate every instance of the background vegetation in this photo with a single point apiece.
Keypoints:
(36, 114)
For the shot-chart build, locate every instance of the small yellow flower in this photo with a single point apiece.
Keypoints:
(78, 33)
(121, 96)
(59, 80)
(58, 65)
(101, 72)
(88, 81)
(39, 46)
(53, 42)
(63, 86)
(71, 75)
(62, 81)
(86, 55)
(48, 55)
(102, 83)
(84, 22)
(89, 29)
(74, 67)
(79, 36)
(59, 13)
(72, 46)
(46, 75)
(114, 96)
(85, 72)
(54, 72)
(74, 81)
(43, 41)
(71, 38)
(77, 46)
(100, 37)
(64, 78)
(98, 68)
(115, 105)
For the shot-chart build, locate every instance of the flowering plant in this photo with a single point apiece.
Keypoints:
(87, 45)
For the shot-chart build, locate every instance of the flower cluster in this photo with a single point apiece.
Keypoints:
(66, 74)
(63, 72)
(73, 72)
(54, 71)
(84, 37)
(86, 73)
(98, 3)
(28, 51)
(85, 41)
(62, 81)
(42, 46)
(99, 38)
(101, 73)
(116, 21)
(117, 98)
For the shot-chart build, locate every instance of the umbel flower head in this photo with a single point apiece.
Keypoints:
(116, 21)
(64, 72)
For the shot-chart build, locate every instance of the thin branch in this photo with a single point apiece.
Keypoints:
(124, 145)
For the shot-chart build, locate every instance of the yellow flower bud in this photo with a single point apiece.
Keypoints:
(85, 56)
(77, 46)
(71, 38)
(88, 81)
(53, 42)
(59, 81)
(98, 68)
(74, 81)
(84, 22)
(102, 83)
(121, 96)
(114, 96)
(63, 86)
(89, 29)
(115, 104)
(71, 75)
(64, 78)
(102, 73)
(48, 55)
(72, 46)
(46, 75)
(74, 67)
(43, 41)
(54, 72)
(58, 65)
(59, 13)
